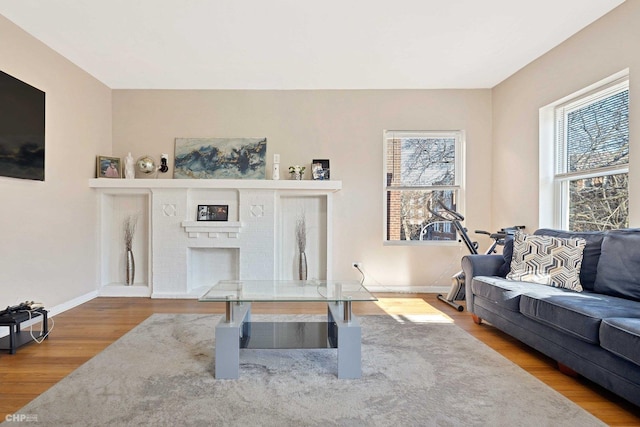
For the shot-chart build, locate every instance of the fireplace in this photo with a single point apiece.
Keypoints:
(181, 257)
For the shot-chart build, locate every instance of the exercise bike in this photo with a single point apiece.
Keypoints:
(457, 291)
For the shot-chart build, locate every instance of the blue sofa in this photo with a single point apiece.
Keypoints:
(594, 333)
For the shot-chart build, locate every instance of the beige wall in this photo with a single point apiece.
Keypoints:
(343, 126)
(604, 48)
(48, 229)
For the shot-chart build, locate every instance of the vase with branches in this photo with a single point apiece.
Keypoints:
(301, 240)
(130, 224)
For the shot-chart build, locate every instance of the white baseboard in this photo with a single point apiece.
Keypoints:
(60, 308)
(409, 289)
(68, 305)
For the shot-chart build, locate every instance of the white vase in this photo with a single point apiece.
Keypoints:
(129, 168)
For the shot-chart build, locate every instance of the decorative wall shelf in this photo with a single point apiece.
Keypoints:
(212, 229)
(239, 184)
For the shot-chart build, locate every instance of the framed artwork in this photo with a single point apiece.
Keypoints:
(108, 167)
(213, 213)
(320, 169)
(22, 135)
(220, 158)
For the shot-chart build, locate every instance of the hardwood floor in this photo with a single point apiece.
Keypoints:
(86, 330)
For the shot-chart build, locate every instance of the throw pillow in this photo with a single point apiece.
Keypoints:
(619, 264)
(547, 260)
(507, 254)
(590, 254)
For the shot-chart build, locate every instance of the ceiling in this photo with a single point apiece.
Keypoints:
(302, 44)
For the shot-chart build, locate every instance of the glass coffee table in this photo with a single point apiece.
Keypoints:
(236, 331)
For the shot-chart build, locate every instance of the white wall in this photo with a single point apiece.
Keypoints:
(604, 48)
(48, 229)
(343, 126)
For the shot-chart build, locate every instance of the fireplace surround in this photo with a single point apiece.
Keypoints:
(179, 257)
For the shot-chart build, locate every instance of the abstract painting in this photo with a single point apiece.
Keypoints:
(220, 158)
(22, 122)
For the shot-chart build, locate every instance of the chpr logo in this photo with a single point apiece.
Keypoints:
(21, 418)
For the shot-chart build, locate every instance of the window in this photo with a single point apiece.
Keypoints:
(592, 159)
(420, 169)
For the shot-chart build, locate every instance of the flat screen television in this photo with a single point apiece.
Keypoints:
(21, 129)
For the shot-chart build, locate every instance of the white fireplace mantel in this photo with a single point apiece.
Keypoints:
(179, 257)
(212, 229)
(238, 184)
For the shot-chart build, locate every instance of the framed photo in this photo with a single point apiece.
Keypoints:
(108, 167)
(320, 169)
(213, 213)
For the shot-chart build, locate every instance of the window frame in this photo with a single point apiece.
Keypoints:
(457, 187)
(554, 201)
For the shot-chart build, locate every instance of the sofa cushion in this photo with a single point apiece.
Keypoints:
(590, 254)
(547, 260)
(579, 314)
(622, 337)
(619, 265)
(504, 293)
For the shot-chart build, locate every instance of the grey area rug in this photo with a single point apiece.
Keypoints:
(414, 374)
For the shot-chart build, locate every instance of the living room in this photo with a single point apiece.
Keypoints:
(51, 234)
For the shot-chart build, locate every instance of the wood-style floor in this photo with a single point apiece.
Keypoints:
(84, 331)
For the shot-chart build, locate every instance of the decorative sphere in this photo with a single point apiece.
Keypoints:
(146, 165)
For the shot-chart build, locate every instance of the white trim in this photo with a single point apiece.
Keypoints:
(409, 289)
(457, 187)
(251, 184)
(68, 305)
(552, 209)
(592, 173)
(57, 309)
(118, 290)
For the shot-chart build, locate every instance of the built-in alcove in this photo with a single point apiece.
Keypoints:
(114, 209)
(180, 257)
(314, 210)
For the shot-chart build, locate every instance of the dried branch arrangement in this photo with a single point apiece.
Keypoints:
(130, 224)
(301, 233)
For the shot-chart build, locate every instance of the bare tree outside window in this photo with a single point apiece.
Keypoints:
(421, 167)
(596, 152)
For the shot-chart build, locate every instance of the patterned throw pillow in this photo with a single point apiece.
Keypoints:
(547, 260)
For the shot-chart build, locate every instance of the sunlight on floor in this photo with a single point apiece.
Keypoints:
(412, 310)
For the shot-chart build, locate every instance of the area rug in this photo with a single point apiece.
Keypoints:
(413, 374)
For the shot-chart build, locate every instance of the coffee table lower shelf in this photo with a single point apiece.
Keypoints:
(288, 335)
(236, 331)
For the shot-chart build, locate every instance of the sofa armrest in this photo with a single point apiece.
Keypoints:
(478, 265)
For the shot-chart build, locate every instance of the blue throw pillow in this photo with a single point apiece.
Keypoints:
(507, 254)
(619, 266)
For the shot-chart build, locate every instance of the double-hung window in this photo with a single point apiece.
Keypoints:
(592, 159)
(422, 169)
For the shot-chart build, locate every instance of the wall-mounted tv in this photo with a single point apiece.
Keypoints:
(21, 129)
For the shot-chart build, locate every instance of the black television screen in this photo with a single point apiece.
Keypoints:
(21, 129)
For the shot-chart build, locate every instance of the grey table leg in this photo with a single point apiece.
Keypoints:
(227, 343)
(349, 340)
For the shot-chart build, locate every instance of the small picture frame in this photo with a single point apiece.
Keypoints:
(108, 167)
(320, 169)
(213, 213)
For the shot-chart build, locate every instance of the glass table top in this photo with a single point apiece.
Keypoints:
(287, 290)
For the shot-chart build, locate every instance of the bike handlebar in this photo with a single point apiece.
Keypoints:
(456, 215)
